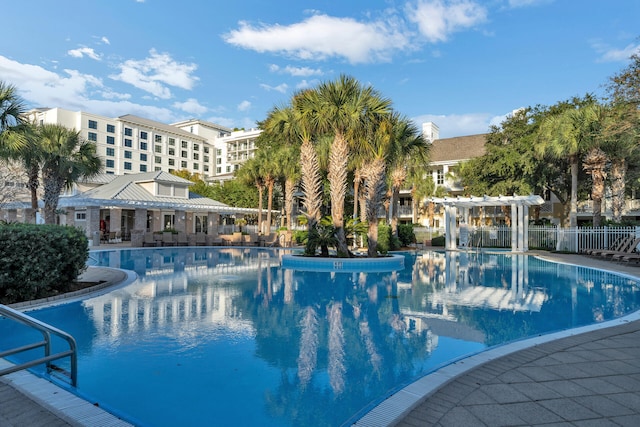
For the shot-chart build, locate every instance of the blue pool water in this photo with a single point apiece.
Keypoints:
(225, 336)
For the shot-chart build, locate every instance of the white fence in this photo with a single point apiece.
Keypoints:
(577, 239)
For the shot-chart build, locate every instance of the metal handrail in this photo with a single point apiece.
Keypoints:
(46, 331)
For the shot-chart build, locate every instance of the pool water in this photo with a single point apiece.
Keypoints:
(224, 336)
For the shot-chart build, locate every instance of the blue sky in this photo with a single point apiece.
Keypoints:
(463, 64)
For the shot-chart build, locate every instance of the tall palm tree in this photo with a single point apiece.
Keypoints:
(66, 159)
(287, 157)
(570, 134)
(269, 170)
(409, 150)
(594, 164)
(343, 109)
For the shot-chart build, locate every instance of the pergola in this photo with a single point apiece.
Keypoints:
(519, 216)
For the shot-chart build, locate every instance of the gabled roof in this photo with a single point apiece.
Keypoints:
(458, 148)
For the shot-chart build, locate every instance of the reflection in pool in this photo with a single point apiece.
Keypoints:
(226, 337)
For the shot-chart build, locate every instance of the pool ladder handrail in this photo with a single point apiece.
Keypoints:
(46, 331)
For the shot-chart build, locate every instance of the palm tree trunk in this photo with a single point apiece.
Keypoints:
(33, 184)
(311, 183)
(260, 191)
(289, 186)
(374, 191)
(573, 214)
(270, 183)
(393, 207)
(338, 162)
(356, 191)
(618, 175)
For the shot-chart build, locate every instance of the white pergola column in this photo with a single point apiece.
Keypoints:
(525, 228)
(514, 227)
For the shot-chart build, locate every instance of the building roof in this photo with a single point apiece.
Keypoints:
(458, 148)
(126, 191)
(160, 126)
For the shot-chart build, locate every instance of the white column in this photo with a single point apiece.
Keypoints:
(520, 228)
(514, 227)
(453, 212)
(525, 228)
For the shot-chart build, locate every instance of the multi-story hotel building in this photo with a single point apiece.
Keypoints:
(130, 144)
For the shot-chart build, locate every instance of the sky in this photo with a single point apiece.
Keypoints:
(462, 64)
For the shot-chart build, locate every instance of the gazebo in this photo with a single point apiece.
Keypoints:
(519, 217)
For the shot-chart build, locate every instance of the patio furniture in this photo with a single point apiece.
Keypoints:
(167, 239)
(201, 239)
(182, 240)
(149, 240)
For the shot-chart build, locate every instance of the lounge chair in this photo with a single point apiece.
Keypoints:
(182, 240)
(149, 240)
(270, 240)
(631, 252)
(115, 237)
(167, 239)
(628, 246)
(617, 246)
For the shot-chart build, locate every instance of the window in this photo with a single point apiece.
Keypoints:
(157, 138)
(109, 163)
(143, 146)
(196, 156)
(196, 166)
(93, 124)
(206, 168)
(158, 159)
(128, 143)
(206, 150)
(111, 128)
(200, 224)
(172, 151)
(92, 136)
(158, 149)
(172, 141)
(127, 154)
(143, 168)
(196, 147)
(143, 157)
(228, 168)
(185, 144)
(111, 140)
(183, 164)
(172, 162)
(111, 151)
(218, 170)
(157, 168)
(81, 216)
(183, 154)
(440, 177)
(219, 152)
(128, 131)
(143, 135)
(127, 166)
(205, 159)
(218, 160)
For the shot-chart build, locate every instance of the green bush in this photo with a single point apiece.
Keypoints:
(300, 236)
(406, 235)
(39, 260)
(384, 238)
(438, 241)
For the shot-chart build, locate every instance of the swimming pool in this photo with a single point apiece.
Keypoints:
(226, 337)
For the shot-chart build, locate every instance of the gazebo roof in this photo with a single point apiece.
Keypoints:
(473, 201)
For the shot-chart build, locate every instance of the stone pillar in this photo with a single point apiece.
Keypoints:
(115, 219)
(181, 220)
(139, 227)
(212, 223)
(70, 217)
(93, 225)
(11, 215)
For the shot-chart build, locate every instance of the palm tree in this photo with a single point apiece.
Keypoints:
(249, 173)
(570, 134)
(66, 159)
(594, 164)
(269, 171)
(343, 109)
(12, 109)
(287, 157)
(409, 150)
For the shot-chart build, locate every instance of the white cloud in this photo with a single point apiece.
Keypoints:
(321, 37)
(105, 40)
(305, 84)
(72, 91)
(523, 3)
(84, 51)
(437, 19)
(191, 106)
(296, 71)
(155, 72)
(460, 124)
(609, 54)
(282, 88)
(244, 106)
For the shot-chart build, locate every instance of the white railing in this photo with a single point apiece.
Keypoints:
(577, 239)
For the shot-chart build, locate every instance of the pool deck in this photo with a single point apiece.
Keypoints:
(586, 376)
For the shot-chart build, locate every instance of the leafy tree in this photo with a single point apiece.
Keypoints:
(250, 174)
(12, 109)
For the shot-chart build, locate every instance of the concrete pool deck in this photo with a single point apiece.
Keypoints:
(587, 376)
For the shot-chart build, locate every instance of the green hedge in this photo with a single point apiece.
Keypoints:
(39, 260)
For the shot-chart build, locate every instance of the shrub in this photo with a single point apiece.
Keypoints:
(39, 260)
(438, 241)
(384, 238)
(406, 235)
